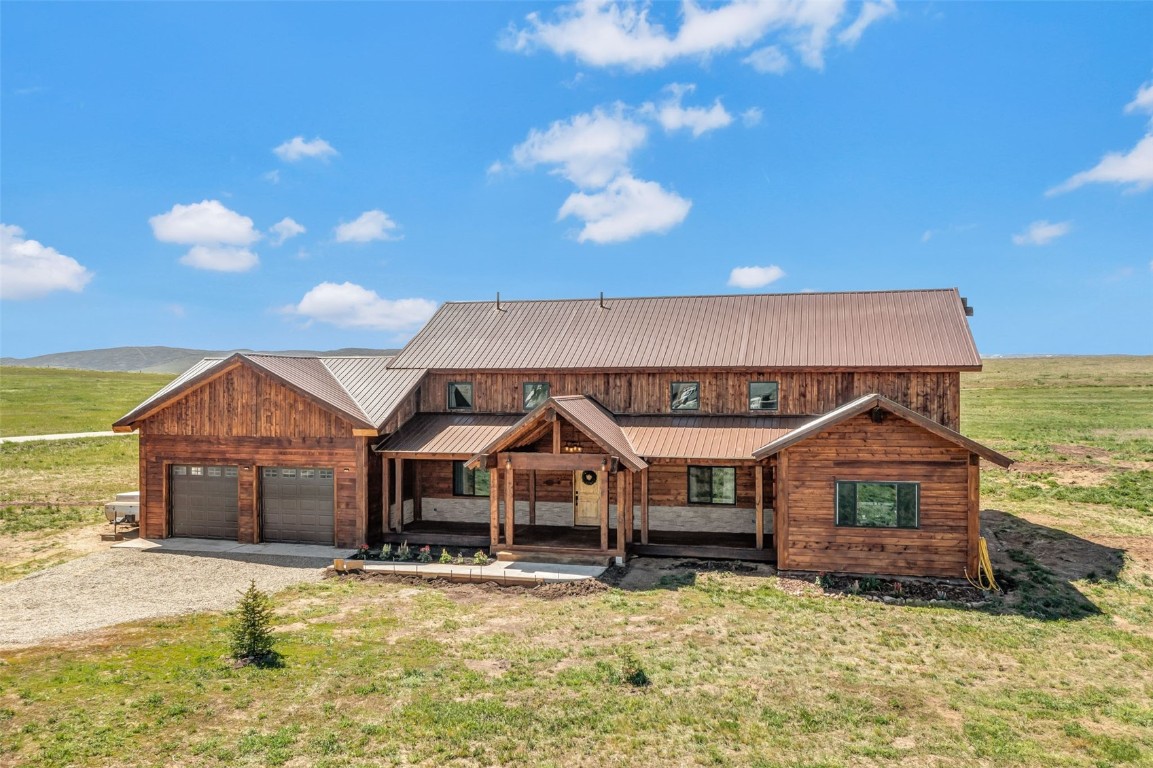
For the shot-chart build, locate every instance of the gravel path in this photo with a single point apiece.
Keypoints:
(119, 585)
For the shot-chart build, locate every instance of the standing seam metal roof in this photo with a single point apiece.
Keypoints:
(868, 329)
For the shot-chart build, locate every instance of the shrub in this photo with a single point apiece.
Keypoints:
(632, 672)
(251, 629)
(404, 552)
(424, 554)
(445, 556)
(386, 552)
(481, 557)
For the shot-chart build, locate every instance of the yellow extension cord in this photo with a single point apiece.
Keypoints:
(984, 580)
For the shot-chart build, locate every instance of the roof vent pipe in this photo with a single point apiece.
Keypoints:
(499, 308)
(968, 309)
(603, 300)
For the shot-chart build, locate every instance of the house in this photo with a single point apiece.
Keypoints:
(819, 431)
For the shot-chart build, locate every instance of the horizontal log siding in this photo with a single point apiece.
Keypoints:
(802, 393)
(894, 450)
(159, 451)
(242, 403)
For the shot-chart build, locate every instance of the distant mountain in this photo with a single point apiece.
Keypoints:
(156, 359)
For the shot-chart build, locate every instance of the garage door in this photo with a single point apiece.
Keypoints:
(297, 504)
(204, 502)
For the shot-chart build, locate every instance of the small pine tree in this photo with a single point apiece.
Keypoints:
(251, 627)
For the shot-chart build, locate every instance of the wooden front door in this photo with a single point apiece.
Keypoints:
(586, 498)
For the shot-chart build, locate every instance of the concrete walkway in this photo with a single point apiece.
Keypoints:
(498, 571)
(69, 436)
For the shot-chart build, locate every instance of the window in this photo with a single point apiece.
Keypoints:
(307, 474)
(196, 470)
(468, 482)
(685, 396)
(230, 471)
(535, 393)
(763, 395)
(878, 505)
(179, 469)
(460, 396)
(326, 474)
(215, 471)
(269, 471)
(712, 485)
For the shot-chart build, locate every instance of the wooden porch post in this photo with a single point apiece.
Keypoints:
(385, 487)
(603, 484)
(416, 490)
(494, 507)
(621, 513)
(532, 497)
(760, 472)
(645, 506)
(399, 495)
(781, 511)
(973, 519)
(629, 507)
(509, 505)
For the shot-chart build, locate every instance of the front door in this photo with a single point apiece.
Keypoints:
(586, 498)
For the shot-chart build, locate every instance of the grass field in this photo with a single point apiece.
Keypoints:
(44, 401)
(744, 669)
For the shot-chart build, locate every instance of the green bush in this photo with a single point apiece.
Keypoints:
(251, 629)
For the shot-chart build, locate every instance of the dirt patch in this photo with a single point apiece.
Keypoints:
(29, 551)
(458, 591)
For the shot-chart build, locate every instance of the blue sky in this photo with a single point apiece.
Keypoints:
(315, 176)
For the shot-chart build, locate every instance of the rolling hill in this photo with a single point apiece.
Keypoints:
(154, 359)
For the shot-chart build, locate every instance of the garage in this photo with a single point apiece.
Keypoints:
(204, 501)
(297, 504)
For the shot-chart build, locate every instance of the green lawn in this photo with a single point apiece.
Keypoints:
(44, 401)
(745, 670)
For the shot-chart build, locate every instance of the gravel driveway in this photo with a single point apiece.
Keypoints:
(121, 585)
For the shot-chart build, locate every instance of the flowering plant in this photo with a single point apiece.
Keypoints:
(424, 554)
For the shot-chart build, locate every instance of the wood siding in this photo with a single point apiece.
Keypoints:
(243, 403)
(860, 450)
(802, 393)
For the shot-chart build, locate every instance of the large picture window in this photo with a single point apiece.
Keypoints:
(712, 485)
(460, 396)
(685, 396)
(878, 504)
(534, 393)
(468, 482)
(763, 396)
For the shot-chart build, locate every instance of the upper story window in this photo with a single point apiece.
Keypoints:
(460, 396)
(712, 485)
(534, 393)
(763, 396)
(469, 482)
(878, 504)
(685, 396)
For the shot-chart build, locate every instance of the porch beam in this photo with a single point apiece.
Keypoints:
(509, 506)
(494, 507)
(644, 506)
(563, 461)
(603, 485)
(760, 491)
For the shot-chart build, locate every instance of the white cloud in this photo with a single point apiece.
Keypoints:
(29, 269)
(752, 116)
(1042, 232)
(755, 277)
(495, 168)
(1143, 101)
(220, 258)
(272, 177)
(624, 209)
(870, 13)
(603, 33)
(347, 305)
(208, 221)
(770, 60)
(1134, 167)
(297, 148)
(587, 149)
(368, 226)
(285, 229)
(672, 116)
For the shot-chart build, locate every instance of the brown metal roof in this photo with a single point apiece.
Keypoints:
(704, 437)
(867, 403)
(600, 425)
(459, 434)
(881, 329)
(375, 388)
(313, 378)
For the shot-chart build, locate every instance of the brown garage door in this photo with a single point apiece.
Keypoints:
(204, 501)
(297, 504)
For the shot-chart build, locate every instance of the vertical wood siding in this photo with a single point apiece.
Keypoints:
(860, 450)
(934, 394)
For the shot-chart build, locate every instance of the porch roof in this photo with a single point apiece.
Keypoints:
(461, 434)
(705, 437)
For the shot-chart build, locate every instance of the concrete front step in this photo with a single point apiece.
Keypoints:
(562, 556)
